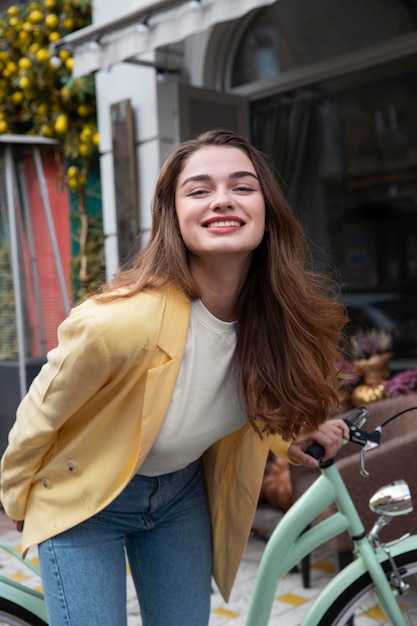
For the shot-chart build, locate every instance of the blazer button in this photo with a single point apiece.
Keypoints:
(46, 483)
(71, 466)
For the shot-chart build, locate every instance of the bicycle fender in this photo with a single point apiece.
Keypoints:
(346, 577)
(23, 596)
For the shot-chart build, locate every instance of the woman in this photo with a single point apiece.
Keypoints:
(150, 424)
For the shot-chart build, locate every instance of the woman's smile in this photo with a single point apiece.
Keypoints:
(224, 225)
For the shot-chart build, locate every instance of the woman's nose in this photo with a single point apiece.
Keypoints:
(221, 199)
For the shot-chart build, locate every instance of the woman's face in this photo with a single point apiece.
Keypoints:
(219, 203)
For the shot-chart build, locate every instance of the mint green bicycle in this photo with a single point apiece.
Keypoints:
(19, 604)
(382, 574)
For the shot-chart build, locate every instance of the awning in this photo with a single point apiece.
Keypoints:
(146, 27)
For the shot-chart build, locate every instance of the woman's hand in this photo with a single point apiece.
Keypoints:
(329, 435)
(19, 525)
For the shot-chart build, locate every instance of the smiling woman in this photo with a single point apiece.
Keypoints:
(149, 428)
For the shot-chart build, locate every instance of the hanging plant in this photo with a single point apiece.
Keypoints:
(39, 96)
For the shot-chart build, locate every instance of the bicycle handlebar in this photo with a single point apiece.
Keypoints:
(368, 441)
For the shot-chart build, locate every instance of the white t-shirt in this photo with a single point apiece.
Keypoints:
(205, 405)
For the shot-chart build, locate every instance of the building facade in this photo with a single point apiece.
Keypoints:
(326, 88)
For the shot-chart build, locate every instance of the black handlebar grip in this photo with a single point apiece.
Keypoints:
(315, 450)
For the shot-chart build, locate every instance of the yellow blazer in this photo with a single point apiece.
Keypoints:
(92, 414)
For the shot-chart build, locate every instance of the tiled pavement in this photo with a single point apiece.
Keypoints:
(292, 599)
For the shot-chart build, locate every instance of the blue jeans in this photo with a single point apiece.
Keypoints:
(163, 524)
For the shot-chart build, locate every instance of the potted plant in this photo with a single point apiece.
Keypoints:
(402, 384)
(371, 354)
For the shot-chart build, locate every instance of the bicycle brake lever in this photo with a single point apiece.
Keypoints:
(371, 443)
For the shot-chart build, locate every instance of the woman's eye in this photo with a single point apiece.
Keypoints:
(244, 188)
(197, 192)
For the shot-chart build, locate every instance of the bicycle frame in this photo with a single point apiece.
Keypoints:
(290, 543)
(20, 594)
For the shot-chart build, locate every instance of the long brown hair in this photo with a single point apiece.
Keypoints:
(289, 321)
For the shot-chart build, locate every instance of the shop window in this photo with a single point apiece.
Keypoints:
(372, 200)
(295, 33)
